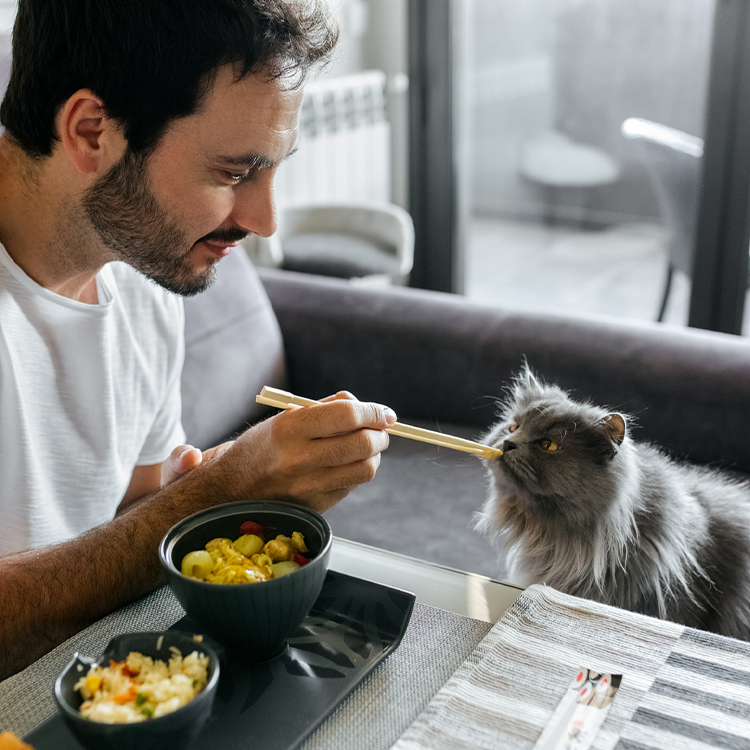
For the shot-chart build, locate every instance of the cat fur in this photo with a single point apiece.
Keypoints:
(609, 519)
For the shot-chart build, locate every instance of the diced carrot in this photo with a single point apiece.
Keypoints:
(125, 697)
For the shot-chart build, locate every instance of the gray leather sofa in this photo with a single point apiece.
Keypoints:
(442, 362)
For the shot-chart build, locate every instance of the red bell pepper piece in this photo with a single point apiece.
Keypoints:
(250, 527)
(300, 559)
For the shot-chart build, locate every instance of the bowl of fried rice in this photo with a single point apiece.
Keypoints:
(248, 591)
(147, 690)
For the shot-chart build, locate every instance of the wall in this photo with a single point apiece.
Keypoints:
(374, 37)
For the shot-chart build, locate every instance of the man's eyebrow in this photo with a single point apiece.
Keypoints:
(252, 161)
(247, 160)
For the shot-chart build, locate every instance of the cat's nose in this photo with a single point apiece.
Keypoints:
(508, 445)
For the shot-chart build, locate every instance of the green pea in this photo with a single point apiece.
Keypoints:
(197, 564)
(248, 545)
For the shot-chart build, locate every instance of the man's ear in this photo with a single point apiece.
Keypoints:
(92, 141)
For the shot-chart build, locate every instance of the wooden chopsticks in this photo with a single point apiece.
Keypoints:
(285, 400)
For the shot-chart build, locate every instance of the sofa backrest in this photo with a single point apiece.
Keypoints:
(233, 347)
(440, 358)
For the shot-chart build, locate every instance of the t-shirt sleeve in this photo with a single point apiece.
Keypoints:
(167, 431)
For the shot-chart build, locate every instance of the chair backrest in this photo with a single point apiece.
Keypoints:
(387, 225)
(673, 159)
(383, 222)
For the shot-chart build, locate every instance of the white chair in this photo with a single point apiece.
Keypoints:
(368, 241)
(673, 159)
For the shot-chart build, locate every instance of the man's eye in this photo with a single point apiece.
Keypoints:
(549, 445)
(513, 427)
(235, 177)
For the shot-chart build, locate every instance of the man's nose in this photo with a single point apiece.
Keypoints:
(255, 207)
(508, 445)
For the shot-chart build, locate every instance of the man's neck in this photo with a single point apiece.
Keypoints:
(41, 226)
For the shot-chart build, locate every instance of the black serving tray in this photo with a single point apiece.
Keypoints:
(353, 625)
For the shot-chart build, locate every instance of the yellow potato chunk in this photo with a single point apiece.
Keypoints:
(197, 564)
(284, 568)
(248, 545)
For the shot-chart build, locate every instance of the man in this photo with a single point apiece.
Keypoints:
(141, 143)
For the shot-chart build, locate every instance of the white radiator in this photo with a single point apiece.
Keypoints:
(344, 145)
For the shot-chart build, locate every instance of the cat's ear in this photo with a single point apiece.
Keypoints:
(614, 426)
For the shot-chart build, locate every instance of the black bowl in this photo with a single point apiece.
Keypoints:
(176, 729)
(252, 620)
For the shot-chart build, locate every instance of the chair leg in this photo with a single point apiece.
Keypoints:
(665, 295)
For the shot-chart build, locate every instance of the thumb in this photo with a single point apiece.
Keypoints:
(181, 460)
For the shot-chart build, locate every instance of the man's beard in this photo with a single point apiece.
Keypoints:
(136, 229)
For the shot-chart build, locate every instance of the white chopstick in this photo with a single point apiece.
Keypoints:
(285, 400)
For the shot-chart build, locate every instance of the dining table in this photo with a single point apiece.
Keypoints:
(465, 661)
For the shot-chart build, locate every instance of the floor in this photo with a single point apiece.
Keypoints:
(616, 271)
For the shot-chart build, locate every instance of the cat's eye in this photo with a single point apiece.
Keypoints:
(513, 427)
(549, 445)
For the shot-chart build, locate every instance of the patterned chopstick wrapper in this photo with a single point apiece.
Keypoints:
(581, 711)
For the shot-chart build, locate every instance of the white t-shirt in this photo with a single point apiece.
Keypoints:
(87, 392)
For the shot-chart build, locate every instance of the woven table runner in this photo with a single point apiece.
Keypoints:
(681, 687)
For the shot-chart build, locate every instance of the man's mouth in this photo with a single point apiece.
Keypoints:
(221, 241)
(219, 249)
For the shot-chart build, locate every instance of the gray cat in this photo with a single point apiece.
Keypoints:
(578, 505)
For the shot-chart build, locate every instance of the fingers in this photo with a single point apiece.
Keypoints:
(340, 414)
(349, 447)
(340, 482)
(314, 455)
(181, 460)
(324, 488)
(340, 395)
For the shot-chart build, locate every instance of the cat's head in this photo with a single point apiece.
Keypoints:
(558, 454)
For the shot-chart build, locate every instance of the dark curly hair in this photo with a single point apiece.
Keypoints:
(150, 61)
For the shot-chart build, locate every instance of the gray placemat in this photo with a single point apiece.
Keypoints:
(387, 702)
(373, 716)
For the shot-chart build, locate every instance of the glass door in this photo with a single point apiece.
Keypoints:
(584, 133)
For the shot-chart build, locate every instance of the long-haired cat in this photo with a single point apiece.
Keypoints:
(578, 505)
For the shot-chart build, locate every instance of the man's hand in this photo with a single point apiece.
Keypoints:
(315, 455)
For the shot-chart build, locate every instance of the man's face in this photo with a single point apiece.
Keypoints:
(174, 213)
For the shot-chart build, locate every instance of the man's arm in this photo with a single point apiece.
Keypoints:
(146, 480)
(313, 456)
